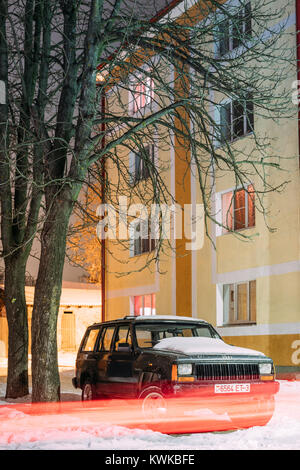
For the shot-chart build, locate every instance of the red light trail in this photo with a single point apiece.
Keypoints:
(189, 414)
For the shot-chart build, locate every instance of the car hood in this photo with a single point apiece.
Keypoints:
(199, 345)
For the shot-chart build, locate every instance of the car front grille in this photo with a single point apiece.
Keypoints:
(228, 371)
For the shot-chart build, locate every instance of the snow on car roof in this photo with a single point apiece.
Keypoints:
(165, 317)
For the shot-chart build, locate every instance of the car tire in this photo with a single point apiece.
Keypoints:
(88, 391)
(154, 404)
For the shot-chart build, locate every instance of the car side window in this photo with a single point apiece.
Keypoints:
(123, 336)
(144, 338)
(106, 337)
(90, 340)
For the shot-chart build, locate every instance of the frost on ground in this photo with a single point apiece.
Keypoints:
(282, 432)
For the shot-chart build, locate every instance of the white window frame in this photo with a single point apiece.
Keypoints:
(219, 210)
(219, 141)
(231, 49)
(143, 304)
(132, 163)
(133, 238)
(225, 315)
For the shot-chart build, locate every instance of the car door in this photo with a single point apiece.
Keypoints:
(122, 381)
(87, 359)
(103, 352)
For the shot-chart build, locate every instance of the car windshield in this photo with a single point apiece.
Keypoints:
(148, 334)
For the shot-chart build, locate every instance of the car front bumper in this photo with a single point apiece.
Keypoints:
(253, 389)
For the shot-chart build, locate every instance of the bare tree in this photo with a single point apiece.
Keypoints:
(54, 126)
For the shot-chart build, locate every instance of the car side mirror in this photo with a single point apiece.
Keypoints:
(124, 347)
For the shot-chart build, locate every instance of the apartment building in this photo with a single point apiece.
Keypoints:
(244, 279)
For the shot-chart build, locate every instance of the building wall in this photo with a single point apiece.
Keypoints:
(71, 326)
(191, 283)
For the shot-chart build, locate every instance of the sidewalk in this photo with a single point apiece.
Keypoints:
(66, 364)
(288, 376)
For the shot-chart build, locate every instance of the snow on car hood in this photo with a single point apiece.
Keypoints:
(200, 345)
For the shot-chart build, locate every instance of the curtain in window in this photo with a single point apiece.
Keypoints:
(145, 304)
(138, 305)
(239, 210)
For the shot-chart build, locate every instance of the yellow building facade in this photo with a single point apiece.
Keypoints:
(249, 289)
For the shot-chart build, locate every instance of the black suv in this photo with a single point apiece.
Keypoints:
(154, 357)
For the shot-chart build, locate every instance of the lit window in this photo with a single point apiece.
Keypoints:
(239, 302)
(143, 93)
(238, 209)
(233, 32)
(144, 304)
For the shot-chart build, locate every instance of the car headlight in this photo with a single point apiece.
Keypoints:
(185, 369)
(265, 368)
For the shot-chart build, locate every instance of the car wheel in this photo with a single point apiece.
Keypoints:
(154, 404)
(88, 391)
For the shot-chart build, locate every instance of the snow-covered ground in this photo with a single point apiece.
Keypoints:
(83, 433)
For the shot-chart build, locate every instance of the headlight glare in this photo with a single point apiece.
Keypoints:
(265, 368)
(185, 369)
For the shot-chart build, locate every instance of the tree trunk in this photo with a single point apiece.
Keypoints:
(45, 375)
(16, 312)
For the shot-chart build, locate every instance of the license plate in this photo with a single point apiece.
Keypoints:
(232, 388)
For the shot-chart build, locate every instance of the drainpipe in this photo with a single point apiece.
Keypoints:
(103, 257)
(298, 65)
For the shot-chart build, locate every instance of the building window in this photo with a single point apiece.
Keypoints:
(238, 209)
(143, 162)
(239, 303)
(236, 119)
(233, 32)
(143, 93)
(141, 241)
(144, 304)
